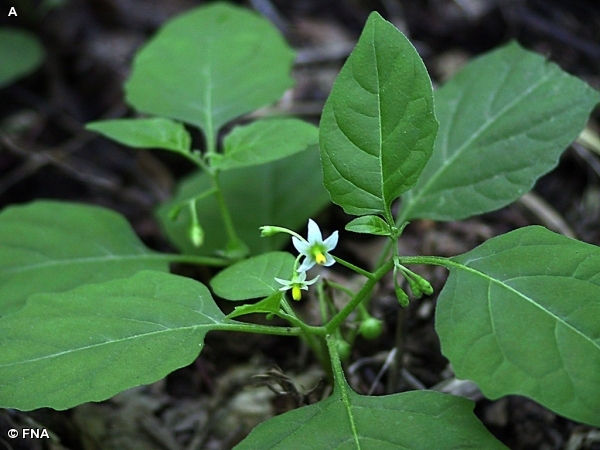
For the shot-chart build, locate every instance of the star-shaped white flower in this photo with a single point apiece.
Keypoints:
(297, 283)
(315, 250)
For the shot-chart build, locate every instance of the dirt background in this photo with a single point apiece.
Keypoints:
(212, 404)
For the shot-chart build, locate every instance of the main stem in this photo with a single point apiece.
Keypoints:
(228, 221)
(387, 247)
(211, 149)
(340, 386)
(337, 320)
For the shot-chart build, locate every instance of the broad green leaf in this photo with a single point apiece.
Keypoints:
(64, 349)
(504, 121)
(378, 126)
(264, 141)
(20, 54)
(417, 420)
(146, 133)
(286, 193)
(269, 305)
(209, 66)
(253, 277)
(50, 246)
(369, 225)
(519, 315)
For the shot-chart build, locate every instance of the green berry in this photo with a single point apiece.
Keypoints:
(343, 349)
(371, 328)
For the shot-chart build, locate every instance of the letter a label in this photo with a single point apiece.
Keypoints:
(12, 12)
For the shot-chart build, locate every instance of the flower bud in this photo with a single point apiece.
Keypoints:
(415, 287)
(196, 234)
(268, 230)
(425, 286)
(400, 294)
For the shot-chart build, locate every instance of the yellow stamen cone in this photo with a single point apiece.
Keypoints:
(296, 293)
(320, 258)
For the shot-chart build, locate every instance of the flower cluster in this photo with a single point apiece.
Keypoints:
(314, 249)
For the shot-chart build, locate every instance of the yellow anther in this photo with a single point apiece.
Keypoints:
(320, 258)
(296, 292)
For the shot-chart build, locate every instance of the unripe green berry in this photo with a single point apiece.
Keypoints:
(343, 349)
(371, 328)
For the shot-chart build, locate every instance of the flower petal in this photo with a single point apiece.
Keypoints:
(299, 277)
(331, 241)
(301, 246)
(286, 283)
(314, 232)
(309, 282)
(306, 264)
(329, 261)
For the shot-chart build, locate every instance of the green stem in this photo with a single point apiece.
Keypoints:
(430, 260)
(312, 335)
(255, 328)
(195, 259)
(337, 320)
(211, 138)
(322, 302)
(227, 220)
(340, 384)
(341, 287)
(353, 267)
(290, 315)
(401, 219)
(211, 150)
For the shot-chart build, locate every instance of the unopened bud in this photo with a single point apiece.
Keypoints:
(425, 286)
(400, 294)
(268, 230)
(415, 287)
(196, 234)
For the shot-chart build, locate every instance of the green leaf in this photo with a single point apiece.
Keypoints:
(369, 225)
(254, 277)
(519, 315)
(417, 420)
(20, 52)
(378, 126)
(64, 349)
(49, 246)
(269, 305)
(209, 66)
(504, 121)
(286, 193)
(264, 141)
(146, 133)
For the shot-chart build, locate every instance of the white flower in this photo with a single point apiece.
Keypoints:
(315, 249)
(297, 283)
